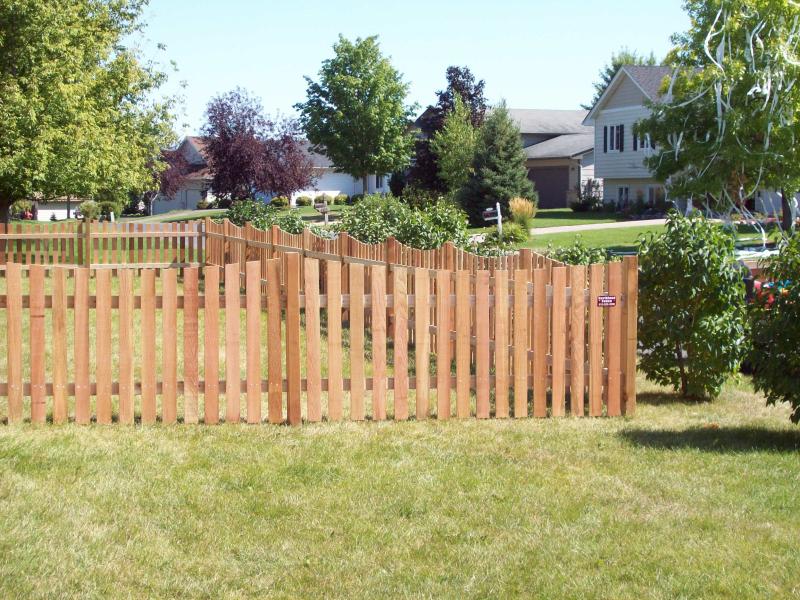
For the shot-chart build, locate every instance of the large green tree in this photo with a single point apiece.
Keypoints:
(731, 123)
(356, 113)
(78, 114)
(498, 171)
(454, 146)
(619, 59)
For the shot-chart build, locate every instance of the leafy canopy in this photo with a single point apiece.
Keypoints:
(454, 146)
(691, 303)
(78, 111)
(498, 172)
(249, 153)
(461, 85)
(356, 113)
(732, 120)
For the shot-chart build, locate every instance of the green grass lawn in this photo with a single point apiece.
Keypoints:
(621, 240)
(683, 501)
(562, 217)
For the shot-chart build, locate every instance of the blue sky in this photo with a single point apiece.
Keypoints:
(532, 53)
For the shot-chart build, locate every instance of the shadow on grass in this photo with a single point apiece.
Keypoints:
(659, 399)
(716, 439)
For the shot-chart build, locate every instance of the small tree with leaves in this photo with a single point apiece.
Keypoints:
(461, 85)
(692, 306)
(775, 320)
(356, 113)
(454, 146)
(498, 172)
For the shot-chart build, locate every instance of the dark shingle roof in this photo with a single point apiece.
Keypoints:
(563, 146)
(650, 79)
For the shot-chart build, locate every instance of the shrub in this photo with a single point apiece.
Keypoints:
(279, 202)
(513, 234)
(691, 302)
(324, 232)
(258, 214)
(342, 200)
(775, 321)
(589, 197)
(324, 198)
(303, 201)
(290, 222)
(204, 205)
(522, 212)
(90, 210)
(397, 184)
(356, 198)
(376, 218)
(579, 253)
(417, 197)
(108, 207)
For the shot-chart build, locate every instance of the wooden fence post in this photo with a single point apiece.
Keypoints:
(293, 338)
(630, 324)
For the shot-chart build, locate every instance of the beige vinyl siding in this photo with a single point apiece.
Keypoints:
(626, 94)
(628, 164)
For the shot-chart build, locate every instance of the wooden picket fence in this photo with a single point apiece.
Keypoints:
(146, 344)
(109, 244)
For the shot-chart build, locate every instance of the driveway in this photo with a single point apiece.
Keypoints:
(596, 226)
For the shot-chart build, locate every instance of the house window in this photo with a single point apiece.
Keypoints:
(378, 181)
(644, 142)
(615, 138)
(623, 195)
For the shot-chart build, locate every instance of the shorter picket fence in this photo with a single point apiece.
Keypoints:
(188, 344)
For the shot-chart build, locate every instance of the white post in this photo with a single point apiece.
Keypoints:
(499, 221)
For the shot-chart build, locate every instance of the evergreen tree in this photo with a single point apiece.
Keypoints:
(454, 146)
(498, 168)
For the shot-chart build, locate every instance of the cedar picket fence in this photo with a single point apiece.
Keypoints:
(503, 342)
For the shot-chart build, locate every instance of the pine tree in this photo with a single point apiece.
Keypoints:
(498, 168)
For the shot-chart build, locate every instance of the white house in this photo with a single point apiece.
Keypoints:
(198, 182)
(620, 155)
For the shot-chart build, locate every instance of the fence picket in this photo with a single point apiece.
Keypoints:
(82, 415)
(400, 343)
(148, 346)
(482, 344)
(596, 277)
(293, 406)
(422, 338)
(60, 410)
(357, 342)
(253, 319)
(232, 316)
(443, 381)
(501, 332)
(313, 349)
(613, 328)
(274, 350)
(169, 336)
(540, 342)
(103, 354)
(631, 321)
(334, 314)
(577, 339)
(211, 346)
(191, 374)
(14, 340)
(463, 344)
(126, 409)
(378, 324)
(37, 341)
(559, 340)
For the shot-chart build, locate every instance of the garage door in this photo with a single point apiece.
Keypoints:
(552, 183)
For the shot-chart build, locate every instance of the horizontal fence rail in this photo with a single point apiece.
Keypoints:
(290, 338)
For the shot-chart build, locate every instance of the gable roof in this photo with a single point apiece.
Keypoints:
(563, 146)
(550, 122)
(647, 79)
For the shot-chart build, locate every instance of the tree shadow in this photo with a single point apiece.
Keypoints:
(666, 399)
(716, 439)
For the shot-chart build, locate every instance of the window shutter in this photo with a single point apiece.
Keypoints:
(605, 140)
(635, 142)
(622, 138)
